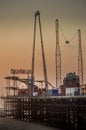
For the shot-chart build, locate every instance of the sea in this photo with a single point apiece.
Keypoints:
(1, 107)
(1, 103)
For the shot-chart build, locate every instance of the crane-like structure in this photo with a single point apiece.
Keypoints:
(57, 56)
(37, 14)
(80, 58)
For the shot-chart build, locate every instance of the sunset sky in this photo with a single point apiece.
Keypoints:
(16, 35)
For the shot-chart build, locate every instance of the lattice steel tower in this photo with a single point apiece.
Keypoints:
(80, 58)
(57, 56)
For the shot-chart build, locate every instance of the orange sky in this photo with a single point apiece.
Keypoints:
(16, 35)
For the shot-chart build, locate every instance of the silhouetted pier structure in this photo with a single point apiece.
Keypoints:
(53, 111)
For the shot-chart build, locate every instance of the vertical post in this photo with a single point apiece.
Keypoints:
(43, 57)
(33, 56)
(80, 58)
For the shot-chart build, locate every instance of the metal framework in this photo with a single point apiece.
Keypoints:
(80, 59)
(37, 14)
(58, 56)
(64, 112)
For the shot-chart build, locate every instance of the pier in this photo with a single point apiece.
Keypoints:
(59, 112)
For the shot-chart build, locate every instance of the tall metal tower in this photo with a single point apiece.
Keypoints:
(57, 56)
(37, 14)
(80, 58)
